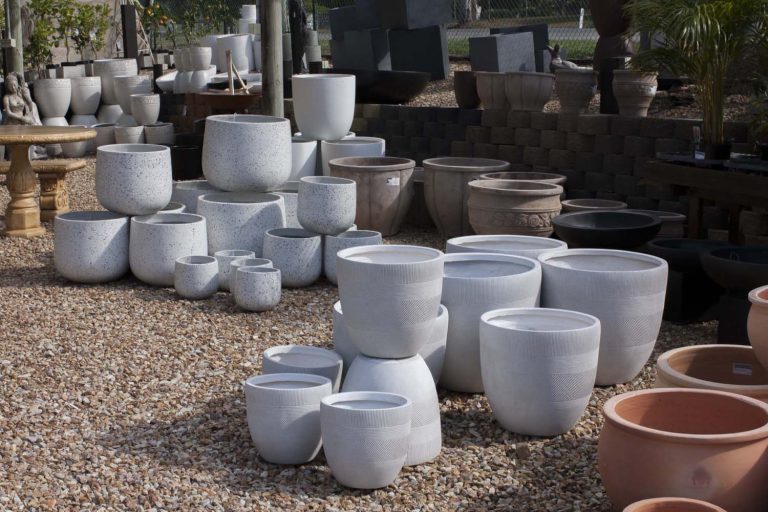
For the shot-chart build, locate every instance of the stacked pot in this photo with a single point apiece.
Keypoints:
(53, 97)
(107, 69)
(193, 69)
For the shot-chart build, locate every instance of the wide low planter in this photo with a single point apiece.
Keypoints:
(757, 323)
(516, 245)
(355, 146)
(187, 192)
(332, 244)
(53, 96)
(625, 290)
(86, 95)
(634, 91)
(491, 88)
(107, 70)
(699, 444)
(300, 359)
(297, 253)
(528, 91)
(538, 367)
(324, 105)
(326, 204)
(621, 229)
(672, 505)
(575, 88)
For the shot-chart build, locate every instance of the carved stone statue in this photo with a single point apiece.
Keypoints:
(20, 109)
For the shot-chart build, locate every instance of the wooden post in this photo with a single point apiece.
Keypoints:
(130, 35)
(15, 55)
(272, 57)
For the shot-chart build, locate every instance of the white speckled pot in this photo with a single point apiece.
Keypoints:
(105, 134)
(257, 288)
(53, 96)
(199, 57)
(145, 108)
(240, 219)
(516, 245)
(335, 243)
(327, 205)
(301, 359)
(108, 69)
(129, 134)
(297, 253)
(290, 194)
(349, 135)
(125, 86)
(109, 114)
(303, 158)
(75, 149)
(91, 246)
(86, 95)
(159, 133)
(133, 179)
(248, 262)
(224, 259)
(324, 105)
(247, 152)
(187, 192)
(174, 208)
(196, 277)
(575, 89)
(157, 241)
(356, 146)
(54, 149)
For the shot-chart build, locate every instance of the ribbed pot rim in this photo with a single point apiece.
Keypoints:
(245, 198)
(126, 149)
(588, 321)
(130, 129)
(84, 80)
(147, 95)
(246, 119)
(52, 82)
(536, 242)
(530, 264)
(196, 260)
(374, 163)
(759, 296)
(652, 504)
(132, 78)
(433, 254)
(168, 220)
(595, 203)
(290, 233)
(539, 74)
(259, 381)
(525, 176)
(517, 187)
(235, 253)
(156, 125)
(441, 311)
(465, 164)
(650, 220)
(546, 259)
(359, 141)
(86, 216)
(398, 401)
(329, 357)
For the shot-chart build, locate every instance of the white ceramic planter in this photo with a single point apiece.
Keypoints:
(303, 158)
(54, 149)
(539, 367)
(625, 290)
(575, 89)
(411, 378)
(297, 253)
(240, 219)
(248, 262)
(108, 69)
(75, 149)
(225, 259)
(91, 246)
(198, 81)
(173, 207)
(473, 284)
(327, 205)
(133, 135)
(145, 108)
(86, 95)
(390, 294)
(283, 413)
(247, 152)
(242, 52)
(87, 120)
(53, 96)
(527, 90)
(105, 134)
(301, 359)
(199, 58)
(125, 86)
(290, 194)
(257, 288)
(109, 114)
(196, 277)
(159, 133)
(187, 192)
(349, 135)
(365, 437)
(133, 179)
(335, 243)
(356, 146)
(157, 241)
(516, 245)
(324, 105)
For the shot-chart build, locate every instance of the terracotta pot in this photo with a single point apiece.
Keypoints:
(528, 91)
(689, 443)
(634, 91)
(732, 368)
(672, 505)
(757, 323)
(575, 88)
(541, 177)
(513, 207)
(465, 89)
(608, 17)
(492, 90)
(583, 205)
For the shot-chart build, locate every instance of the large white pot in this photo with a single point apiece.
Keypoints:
(242, 52)
(105, 134)
(157, 241)
(187, 192)
(356, 146)
(199, 58)
(133, 179)
(335, 243)
(473, 284)
(159, 133)
(86, 95)
(108, 69)
(390, 295)
(145, 108)
(301, 359)
(109, 114)
(238, 220)
(303, 158)
(283, 411)
(53, 96)
(517, 245)
(324, 105)
(625, 290)
(327, 204)
(247, 152)
(297, 253)
(125, 86)
(91, 246)
(539, 367)
(409, 377)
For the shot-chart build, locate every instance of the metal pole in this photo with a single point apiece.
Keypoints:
(16, 54)
(272, 57)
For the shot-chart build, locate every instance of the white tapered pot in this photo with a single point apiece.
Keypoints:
(327, 205)
(356, 146)
(224, 259)
(335, 243)
(242, 52)
(256, 288)
(105, 134)
(297, 253)
(145, 108)
(324, 105)
(196, 277)
(125, 86)
(300, 359)
(107, 70)
(303, 158)
(133, 135)
(75, 149)
(159, 133)
(109, 114)
(53, 96)
(199, 57)
(86, 95)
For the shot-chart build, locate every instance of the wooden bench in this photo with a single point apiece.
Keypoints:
(54, 197)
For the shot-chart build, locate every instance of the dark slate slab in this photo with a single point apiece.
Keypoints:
(342, 19)
(413, 14)
(502, 52)
(424, 49)
(368, 13)
(368, 49)
(540, 33)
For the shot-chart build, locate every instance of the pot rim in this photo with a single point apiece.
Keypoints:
(258, 381)
(230, 253)
(291, 233)
(544, 176)
(589, 321)
(398, 402)
(247, 261)
(515, 187)
(544, 243)
(41, 82)
(220, 198)
(441, 311)
(248, 119)
(434, 254)
(257, 270)
(759, 296)
(530, 73)
(195, 185)
(582, 203)
(465, 164)
(654, 220)
(640, 506)
(378, 163)
(84, 216)
(158, 125)
(363, 233)
(132, 149)
(457, 257)
(664, 216)
(388, 362)
(328, 181)
(544, 259)
(320, 76)
(177, 218)
(196, 260)
(365, 140)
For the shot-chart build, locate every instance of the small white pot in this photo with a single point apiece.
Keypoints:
(301, 359)
(247, 262)
(159, 133)
(283, 411)
(125, 86)
(324, 105)
(105, 134)
(199, 58)
(365, 437)
(75, 149)
(327, 205)
(356, 146)
(129, 135)
(224, 259)
(157, 241)
(91, 246)
(86, 95)
(108, 69)
(303, 158)
(516, 245)
(187, 192)
(539, 367)
(109, 114)
(297, 253)
(133, 179)
(335, 243)
(411, 378)
(257, 288)
(196, 277)
(145, 108)
(88, 120)
(242, 52)
(53, 96)
(174, 208)
(575, 89)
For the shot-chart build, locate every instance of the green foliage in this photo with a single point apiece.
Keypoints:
(187, 21)
(90, 27)
(45, 36)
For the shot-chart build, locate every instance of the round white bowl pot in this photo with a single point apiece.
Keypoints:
(108, 69)
(297, 253)
(411, 378)
(187, 192)
(133, 179)
(390, 295)
(256, 288)
(356, 146)
(225, 259)
(109, 114)
(539, 367)
(86, 95)
(240, 219)
(625, 290)
(247, 152)
(157, 241)
(247, 262)
(301, 359)
(327, 205)
(145, 108)
(105, 134)
(335, 243)
(53, 96)
(125, 86)
(159, 133)
(75, 149)
(303, 158)
(516, 245)
(91, 246)
(196, 277)
(129, 134)
(283, 411)
(365, 437)
(473, 284)
(324, 105)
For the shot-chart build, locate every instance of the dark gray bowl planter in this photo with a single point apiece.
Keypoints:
(606, 229)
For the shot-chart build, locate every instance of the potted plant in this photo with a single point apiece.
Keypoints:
(37, 52)
(90, 26)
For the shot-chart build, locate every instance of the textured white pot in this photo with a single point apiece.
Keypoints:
(290, 194)
(248, 262)
(196, 277)
(242, 52)
(539, 367)
(356, 146)
(283, 411)
(301, 359)
(75, 149)
(105, 134)
(390, 294)
(159, 133)
(125, 86)
(109, 114)
(327, 205)
(86, 95)
(53, 96)
(297, 253)
(247, 152)
(173, 207)
(238, 220)
(108, 69)
(303, 158)
(335, 243)
(187, 192)
(199, 58)
(145, 108)
(256, 288)
(157, 241)
(225, 259)
(91, 246)
(365, 437)
(133, 179)
(474, 283)
(516, 245)
(133, 135)
(625, 290)
(411, 378)
(324, 105)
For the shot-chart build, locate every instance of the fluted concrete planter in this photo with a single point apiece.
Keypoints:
(491, 87)
(86, 95)
(332, 244)
(324, 105)
(575, 88)
(528, 91)
(634, 91)
(53, 96)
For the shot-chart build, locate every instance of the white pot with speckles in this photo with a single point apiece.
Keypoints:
(53, 96)
(224, 259)
(324, 105)
(257, 288)
(125, 86)
(160, 133)
(173, 207)
(335, 243)
(145, 108)
(109, 114)
(297, 253)
(108, 69)
(327, 205)
(303, 359)
(290, 194)
(105, 134)
(196, 277)
(187, 192)
(86, 95)
(356, 146)
(129, 134)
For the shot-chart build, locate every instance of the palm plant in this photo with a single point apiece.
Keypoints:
(703, 39)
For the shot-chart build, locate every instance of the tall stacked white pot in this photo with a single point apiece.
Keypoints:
(107, 70)
(53, 97)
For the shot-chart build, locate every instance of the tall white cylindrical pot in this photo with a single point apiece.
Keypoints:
(187, 192)
(324, 105)
(301, 359)
(356, 146)
(108, 69)
(327, 205)
(53, 96)
(516, 245)
(86, 95)
(297, 253)
(335, 243)
(125, 86)
(303, 158)
(241, 48)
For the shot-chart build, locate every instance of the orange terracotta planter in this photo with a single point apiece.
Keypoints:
(699, 444)
(672, 505)
(757, 323)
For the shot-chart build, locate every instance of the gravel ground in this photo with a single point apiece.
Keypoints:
(121, 396)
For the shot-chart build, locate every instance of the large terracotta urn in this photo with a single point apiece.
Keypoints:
(634, 91)
(757, 323)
